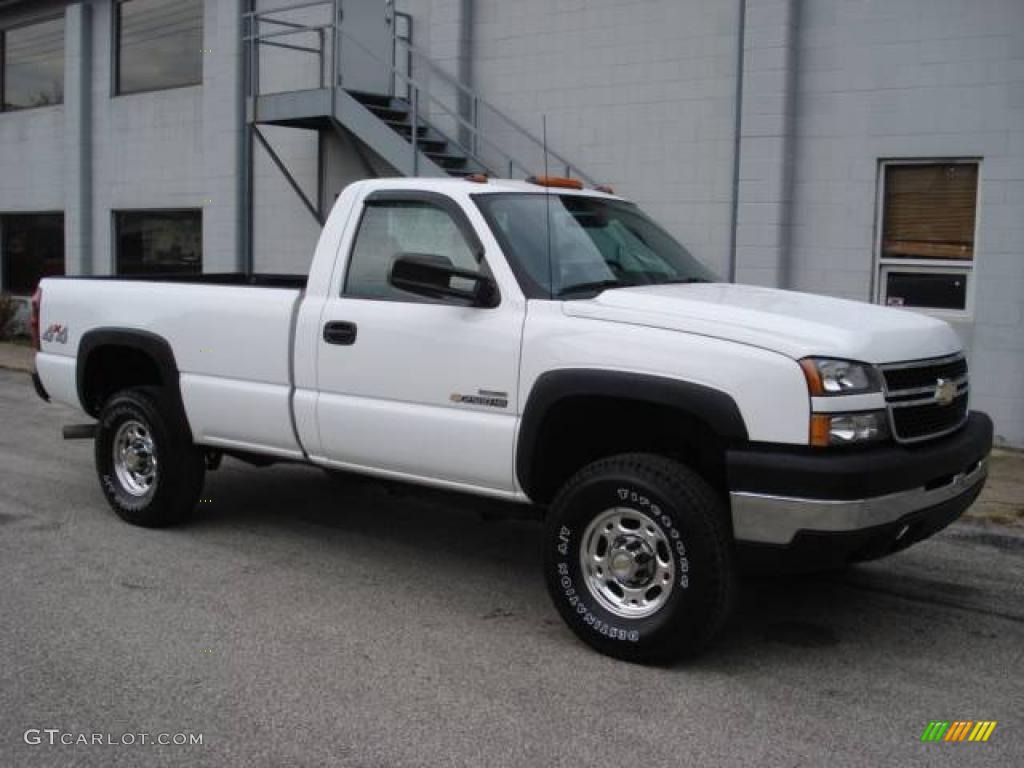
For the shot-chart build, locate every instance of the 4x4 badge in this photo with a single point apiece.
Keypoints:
(56, 332)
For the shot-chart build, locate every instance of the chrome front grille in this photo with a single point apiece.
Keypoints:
(926, 398)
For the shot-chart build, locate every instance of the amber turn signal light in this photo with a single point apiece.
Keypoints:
(813, 376)
(821, 427)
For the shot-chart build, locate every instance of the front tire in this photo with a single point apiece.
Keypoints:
(149, 470)
(638, 558)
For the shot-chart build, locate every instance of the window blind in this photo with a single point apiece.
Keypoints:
(929, 211)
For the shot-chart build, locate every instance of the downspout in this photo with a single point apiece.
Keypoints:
(244, 192)
(791, 107)
(737, 138)
(464, 67)
(77, 138)
(85, 142)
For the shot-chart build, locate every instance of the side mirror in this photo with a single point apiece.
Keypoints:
(430, 275)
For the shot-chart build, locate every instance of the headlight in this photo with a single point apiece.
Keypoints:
(848, 428)
(827, 377)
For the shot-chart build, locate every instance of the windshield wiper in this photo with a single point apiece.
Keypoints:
(594, 285)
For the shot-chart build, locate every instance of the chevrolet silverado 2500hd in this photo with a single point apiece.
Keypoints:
(548, 345)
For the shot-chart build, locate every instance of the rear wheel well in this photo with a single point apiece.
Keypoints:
(114, 367)
(580, 429)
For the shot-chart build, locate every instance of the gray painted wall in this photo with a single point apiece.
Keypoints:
(639, 93)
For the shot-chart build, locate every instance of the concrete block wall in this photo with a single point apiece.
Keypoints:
(97, 152)
(764, 207)
(37, 162)
(174, 148)
(285, 234)
(916, 79)
(33, 171)
(638, 93)
(284, 231)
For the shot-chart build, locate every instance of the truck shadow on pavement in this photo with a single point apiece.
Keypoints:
(491, 568)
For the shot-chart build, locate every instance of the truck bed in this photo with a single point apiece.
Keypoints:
(230, 335)
(260, 280)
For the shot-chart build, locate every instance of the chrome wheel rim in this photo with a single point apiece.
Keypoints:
(627, 562)
(135, 462)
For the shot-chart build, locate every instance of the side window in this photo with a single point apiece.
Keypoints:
(389, 229)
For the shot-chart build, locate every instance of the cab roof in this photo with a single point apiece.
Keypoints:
(450, 185)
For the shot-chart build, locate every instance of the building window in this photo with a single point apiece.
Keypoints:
(159, 44)
(926, 243)
(31, 248)
(33, 65)
(159, 242)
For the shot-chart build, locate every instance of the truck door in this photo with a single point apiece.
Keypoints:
(410, 385)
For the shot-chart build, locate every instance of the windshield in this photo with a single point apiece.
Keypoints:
(596, 244)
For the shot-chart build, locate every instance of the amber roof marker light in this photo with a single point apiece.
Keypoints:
(562, 182)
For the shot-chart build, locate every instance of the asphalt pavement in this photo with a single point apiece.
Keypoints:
(301, 621)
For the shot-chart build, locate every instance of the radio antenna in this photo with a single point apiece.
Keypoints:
(547, 204)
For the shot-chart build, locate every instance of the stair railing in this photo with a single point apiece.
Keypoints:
(486, 131)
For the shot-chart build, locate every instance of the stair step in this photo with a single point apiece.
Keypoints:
(429, 146)
(367, 99)
(388, 113)
(463, 172)
(448, 161)
(403, 127)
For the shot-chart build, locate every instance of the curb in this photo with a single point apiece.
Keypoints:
(16, 357)
(18, 367)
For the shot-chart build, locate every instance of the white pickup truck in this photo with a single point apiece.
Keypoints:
(546, 345)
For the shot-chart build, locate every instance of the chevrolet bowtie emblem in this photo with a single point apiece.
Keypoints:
(945, 391)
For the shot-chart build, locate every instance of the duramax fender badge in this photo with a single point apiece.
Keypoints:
(483, 397)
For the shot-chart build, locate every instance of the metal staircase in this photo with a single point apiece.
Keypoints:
(422, 122)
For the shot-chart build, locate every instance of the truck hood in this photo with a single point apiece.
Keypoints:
(792, 323)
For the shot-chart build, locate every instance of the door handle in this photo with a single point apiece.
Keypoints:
(340, 333)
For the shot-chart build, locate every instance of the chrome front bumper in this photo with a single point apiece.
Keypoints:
(770, 519)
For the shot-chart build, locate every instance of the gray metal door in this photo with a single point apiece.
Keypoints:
(365, 56)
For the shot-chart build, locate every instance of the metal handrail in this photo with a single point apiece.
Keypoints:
(416, 90)
(476, 101)
(396, 38)
(290, 7)
(419, 89)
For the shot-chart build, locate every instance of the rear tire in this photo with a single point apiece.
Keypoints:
(638, 558)
(149, 470)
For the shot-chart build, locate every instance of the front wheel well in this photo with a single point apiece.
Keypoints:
(581, 429)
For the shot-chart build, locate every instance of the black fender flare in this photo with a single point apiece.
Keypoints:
(711, 406)
(156, 347)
